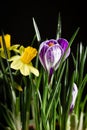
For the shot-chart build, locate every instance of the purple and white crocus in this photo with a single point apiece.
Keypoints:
(51, 52)
(74, 96)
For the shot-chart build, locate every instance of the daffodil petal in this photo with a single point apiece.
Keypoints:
(14, 48)
(34, 70)
(25, 70)
(17, 57)
(16, 64)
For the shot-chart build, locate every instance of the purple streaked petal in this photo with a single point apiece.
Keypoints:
(74, 96)
(50, 74)
(42, 45)
(71, 108)
(53, 56)
(64, 44)
(41, 55)
(67, 53)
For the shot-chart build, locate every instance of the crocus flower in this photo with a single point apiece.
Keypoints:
(51, 52)
(7, 39)
(23, 62)
(74, 96)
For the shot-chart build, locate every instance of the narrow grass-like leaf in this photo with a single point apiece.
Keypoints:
(80, 126)
(17, 107)
(9, 117)
(45, 94)
(38, 81)
(54, 115)
(33, 40)
(84, 104)
(80, 92)
(73, 37)
(83, 56)
(66, 73)
(56, 91)
(68, 102)
(59, 27)
(37, 31)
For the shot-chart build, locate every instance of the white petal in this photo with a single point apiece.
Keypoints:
(53, 56)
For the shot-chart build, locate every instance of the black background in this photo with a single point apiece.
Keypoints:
(16, 19)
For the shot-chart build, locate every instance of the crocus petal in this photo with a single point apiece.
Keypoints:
(74, 96)
(43, 48)
(53, 56)
(42, 51)
(64, 44)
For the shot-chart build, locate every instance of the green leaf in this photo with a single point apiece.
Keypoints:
(73, 37)
(83, 56)
(54, 92)
(69, 94)
(80, 92)
(37, 31)
(8, 116)
(59, 27)
(83, 104)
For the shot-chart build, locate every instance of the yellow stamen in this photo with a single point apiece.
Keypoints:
(7, 39)
(28, 55)
(51, 44)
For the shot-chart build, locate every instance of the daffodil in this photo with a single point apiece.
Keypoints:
(7, 39)
(23, 62)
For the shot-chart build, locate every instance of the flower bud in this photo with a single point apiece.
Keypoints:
(51, 52)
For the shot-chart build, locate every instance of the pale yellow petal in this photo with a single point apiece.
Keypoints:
(33, 70)
(25, 70)
(15, 48)
(16, 64)
(17, 57)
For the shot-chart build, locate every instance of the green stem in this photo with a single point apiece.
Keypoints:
(54, 116)
(35, 103)
(45, 94)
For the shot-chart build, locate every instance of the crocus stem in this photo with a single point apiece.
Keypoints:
(50, 75)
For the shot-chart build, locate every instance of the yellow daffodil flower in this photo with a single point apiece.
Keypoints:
(7, 39)
(23, 62)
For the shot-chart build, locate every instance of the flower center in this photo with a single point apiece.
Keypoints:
(51, 44)
(28, 55)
